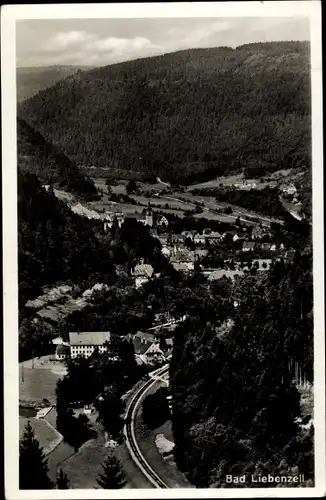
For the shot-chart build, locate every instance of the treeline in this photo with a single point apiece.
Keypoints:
(186, 116)
(37, 155)
(264, 201)
(234, 403)
(30, 80)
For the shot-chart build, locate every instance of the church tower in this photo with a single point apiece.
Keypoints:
(149, 216)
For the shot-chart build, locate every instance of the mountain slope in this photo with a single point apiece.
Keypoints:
(54, 243)
(38, 156)
(32, 80)
(186, 116)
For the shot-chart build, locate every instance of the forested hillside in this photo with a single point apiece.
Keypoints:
(54, 243)
(186, 116)
(234, 404)
(36, 155)
(32, 79)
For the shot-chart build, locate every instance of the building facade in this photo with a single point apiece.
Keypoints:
(84, 343)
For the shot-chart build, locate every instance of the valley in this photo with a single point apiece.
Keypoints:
(166, 309)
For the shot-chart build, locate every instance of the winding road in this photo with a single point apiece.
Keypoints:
(129, 431)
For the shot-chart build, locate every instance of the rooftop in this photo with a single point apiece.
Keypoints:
(180, 266)
(144, 270)
(145, 337)
(62, 349)
(213, 234)
(248, 244)
(88, 338)
(140, 347)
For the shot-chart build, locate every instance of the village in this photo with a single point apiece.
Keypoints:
(249, 247)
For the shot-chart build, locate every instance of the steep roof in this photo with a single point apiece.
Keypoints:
(62, 349)
(141, 347)
(145, 337)
(214, 234)
(88, 338)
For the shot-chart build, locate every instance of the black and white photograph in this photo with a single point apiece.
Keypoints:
(163, 250)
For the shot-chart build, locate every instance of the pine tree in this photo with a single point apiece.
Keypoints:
(62, 481)
(33, 468)
(112, 477)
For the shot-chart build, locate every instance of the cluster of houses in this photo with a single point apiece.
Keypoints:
(245, 185)
(148, 218)
(289, 190)
(149, 349)
(250, 246)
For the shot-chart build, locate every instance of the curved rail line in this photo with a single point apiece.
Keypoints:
(130, 434)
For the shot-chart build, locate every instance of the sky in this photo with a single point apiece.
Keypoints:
(99, 42)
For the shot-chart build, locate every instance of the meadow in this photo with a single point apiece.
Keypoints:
(38, 383)
(46, 435)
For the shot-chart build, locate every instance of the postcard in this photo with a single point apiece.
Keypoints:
(163, 250)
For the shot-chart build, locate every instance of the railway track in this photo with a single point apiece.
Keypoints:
(129, 433)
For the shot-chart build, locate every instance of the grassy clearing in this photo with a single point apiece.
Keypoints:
(134, 476)
(220, 217)
(38, 383)
(43, 432)
(57, 457)
(162, 201)
(83, 467)
(119, 187)
(229, 181)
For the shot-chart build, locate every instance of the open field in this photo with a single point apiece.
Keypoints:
(162, 201)
(176, 205)
(219, 217)
(285, 176)
(83, 467)
(119, 187)
(39, 382)
(45, 434)
(57, 457)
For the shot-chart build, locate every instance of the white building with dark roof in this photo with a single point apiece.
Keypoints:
(62, 352)
(163, 221)
(84, 343)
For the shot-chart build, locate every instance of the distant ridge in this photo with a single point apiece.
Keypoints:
(186, 116)
(32, 79)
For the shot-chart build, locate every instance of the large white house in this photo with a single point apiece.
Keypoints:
(84, 343)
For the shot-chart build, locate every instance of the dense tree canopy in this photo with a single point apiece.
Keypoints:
(32, 79)
(265, 201)
(234, 404)
(186, 116)
(54, 243)
(33, 468)
(38, 156)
